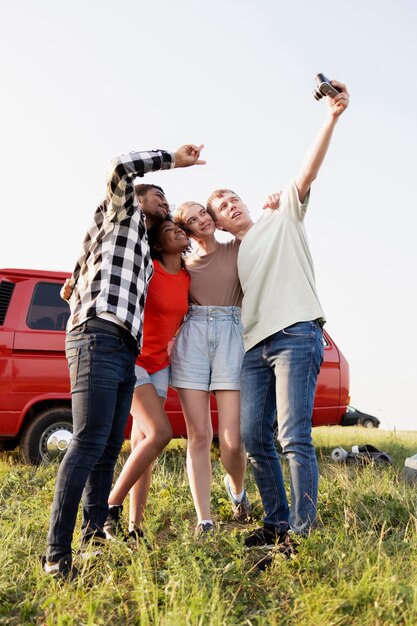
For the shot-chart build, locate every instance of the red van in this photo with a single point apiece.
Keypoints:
(35, 401)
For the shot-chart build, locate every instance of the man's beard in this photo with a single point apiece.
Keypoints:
(158, 218)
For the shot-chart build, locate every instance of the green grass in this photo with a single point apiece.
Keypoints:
(358, 567)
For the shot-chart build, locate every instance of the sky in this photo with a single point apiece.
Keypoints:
(86, 81)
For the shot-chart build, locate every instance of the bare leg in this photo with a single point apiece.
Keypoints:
(233, 454)
(147, 410)
(139, 492)
(196, 409)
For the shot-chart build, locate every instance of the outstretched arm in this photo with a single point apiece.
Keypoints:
(316, 154)
(121, 197)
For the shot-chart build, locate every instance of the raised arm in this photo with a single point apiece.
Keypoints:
(318, 150)
(121, 196)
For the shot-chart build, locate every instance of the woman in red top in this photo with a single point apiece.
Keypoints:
(166, 305)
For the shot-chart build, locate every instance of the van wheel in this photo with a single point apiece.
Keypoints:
(47, 437)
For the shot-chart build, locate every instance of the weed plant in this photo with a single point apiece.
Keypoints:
(358, 567)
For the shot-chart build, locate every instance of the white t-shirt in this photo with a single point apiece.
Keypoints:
(276, 271)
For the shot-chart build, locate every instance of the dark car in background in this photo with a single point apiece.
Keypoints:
(354, 417)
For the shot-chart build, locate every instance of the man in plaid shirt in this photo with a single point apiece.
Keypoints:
(104, 336)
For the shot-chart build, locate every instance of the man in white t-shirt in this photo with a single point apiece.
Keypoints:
(282, 319)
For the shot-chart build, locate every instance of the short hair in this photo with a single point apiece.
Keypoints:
(143, 188)
(179, 218)
(218, 193)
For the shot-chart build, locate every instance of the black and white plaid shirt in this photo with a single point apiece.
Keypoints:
(114, 269)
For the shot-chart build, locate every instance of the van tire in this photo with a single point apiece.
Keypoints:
(34, 441)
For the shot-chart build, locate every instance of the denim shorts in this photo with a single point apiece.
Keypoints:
(159, 380)
(208, 351)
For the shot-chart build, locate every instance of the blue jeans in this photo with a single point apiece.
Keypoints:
(278, 384)
(102, 372)
(208, 350)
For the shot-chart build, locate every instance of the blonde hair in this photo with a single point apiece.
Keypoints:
(180, 219)
(218, 193)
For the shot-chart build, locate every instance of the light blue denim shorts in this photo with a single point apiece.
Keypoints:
(159, 380)
(208, 351)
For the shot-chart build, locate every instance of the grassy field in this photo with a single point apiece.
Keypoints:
(358, 567)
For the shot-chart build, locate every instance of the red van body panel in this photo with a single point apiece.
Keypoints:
(33, 369)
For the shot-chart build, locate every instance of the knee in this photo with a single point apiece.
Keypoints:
(91, 446)
(165, 435)
(259, 442)
(232, 447)
(293, 448)
(199, 439)
(249, 439)
(111, 453)
(161, 437)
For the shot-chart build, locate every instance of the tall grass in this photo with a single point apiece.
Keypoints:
(358, 567)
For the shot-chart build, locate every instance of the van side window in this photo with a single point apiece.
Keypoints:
(6, 292)
(47, 310)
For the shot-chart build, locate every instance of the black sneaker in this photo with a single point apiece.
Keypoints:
(63, 568)
(203, 529)
(288, 547)
(264, 563)
(266, 536)
(136, 538)
(136, 534)
(113, 527)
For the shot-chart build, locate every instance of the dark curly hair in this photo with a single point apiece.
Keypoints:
(154, 239)
(142, 189)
